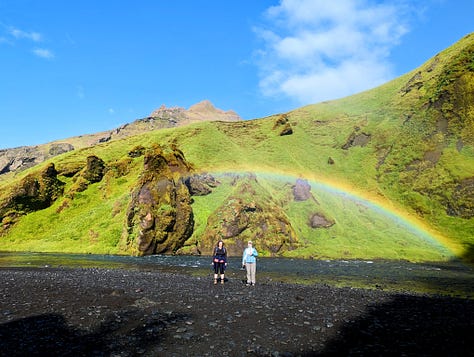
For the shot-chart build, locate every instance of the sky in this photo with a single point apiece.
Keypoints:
(75, 67)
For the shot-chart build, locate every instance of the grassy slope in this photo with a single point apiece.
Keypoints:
(92, 221)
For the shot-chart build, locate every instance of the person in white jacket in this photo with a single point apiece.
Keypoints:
(250, 262)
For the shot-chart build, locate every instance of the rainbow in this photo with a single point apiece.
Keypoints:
(375, 202)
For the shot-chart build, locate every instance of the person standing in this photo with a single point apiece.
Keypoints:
(250, 262)
(219, 259)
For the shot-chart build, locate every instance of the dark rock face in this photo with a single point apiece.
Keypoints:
(60, 148)
(21, 158)
(160, 217)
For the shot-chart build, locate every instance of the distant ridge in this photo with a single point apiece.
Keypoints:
(202, 111)
(21, 158)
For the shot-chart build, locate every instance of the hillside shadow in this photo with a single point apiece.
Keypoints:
(51, 335)
(415, 325)
(408, 326)
(468, 255)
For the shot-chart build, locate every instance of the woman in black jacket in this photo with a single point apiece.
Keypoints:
(219, 258)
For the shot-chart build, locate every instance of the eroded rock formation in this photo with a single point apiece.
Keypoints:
(249, 214)
(160, 217)
(34, 192)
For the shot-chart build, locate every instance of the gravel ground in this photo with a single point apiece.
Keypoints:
(115, 312)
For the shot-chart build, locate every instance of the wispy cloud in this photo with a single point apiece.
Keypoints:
(13, 35)
(314, 50)
(19, 34)
(43, 53)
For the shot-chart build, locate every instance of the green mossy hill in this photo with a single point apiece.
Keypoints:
(307, 183)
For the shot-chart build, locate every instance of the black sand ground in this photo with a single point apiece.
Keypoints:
(102, 312)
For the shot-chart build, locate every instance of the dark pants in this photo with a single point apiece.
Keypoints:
(219, 268)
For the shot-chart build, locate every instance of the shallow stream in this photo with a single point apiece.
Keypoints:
(446, 278)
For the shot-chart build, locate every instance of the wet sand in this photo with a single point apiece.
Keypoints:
(118, 312)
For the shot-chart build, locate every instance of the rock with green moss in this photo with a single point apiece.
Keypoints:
(35, 192)
(160, 217)
(249, 214)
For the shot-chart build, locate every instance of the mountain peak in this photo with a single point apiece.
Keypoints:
(204, 105)
(205, 110)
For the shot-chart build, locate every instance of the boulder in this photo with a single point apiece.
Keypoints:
(200, 185)
(302, 190)
(94, 170)
(318, 220)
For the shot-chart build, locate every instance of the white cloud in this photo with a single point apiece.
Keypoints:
(111, 111)
(33, 36)
(43, 53)
(13, 35)
(316, 50)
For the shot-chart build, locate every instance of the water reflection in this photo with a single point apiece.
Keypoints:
(451, 278)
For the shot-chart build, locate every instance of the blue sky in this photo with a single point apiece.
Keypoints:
(75, 67)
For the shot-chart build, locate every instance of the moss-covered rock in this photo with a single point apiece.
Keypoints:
(35, 192)
(94, 170)
(249, 214)
(160, 217)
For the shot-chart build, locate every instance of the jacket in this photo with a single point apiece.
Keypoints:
(220, 255)
(249, 259)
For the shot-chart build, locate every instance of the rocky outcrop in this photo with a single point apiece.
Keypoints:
(21, 158)
(160, 217)
(282, 125)
(356, 139)
(35, 192)
(200, 185)
(318, 220)
(94, 170)
(249, 214)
